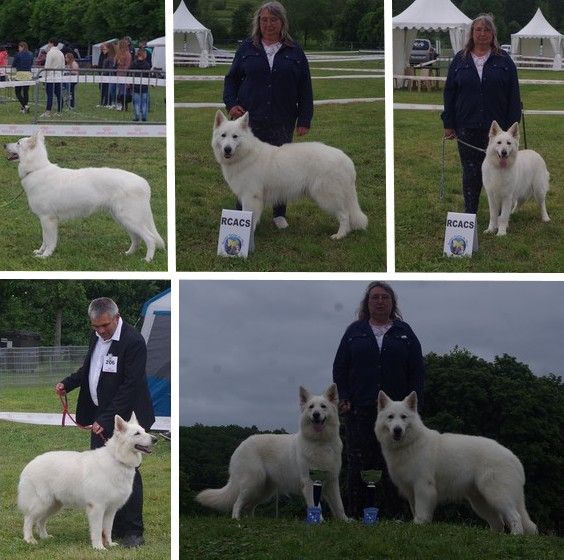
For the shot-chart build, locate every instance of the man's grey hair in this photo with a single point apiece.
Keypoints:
(102, 306)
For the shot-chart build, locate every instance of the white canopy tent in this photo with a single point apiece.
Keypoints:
(191, 37)
(539, 38)
(429, 15)
(158, 56)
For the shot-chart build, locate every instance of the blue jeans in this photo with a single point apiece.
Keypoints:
(140, 106)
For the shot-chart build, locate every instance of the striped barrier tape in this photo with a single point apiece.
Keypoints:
(87, 130)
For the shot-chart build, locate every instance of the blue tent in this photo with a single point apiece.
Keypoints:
(156, 331)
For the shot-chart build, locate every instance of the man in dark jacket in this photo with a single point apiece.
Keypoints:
(112, 380)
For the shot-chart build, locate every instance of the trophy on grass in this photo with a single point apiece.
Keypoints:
(314, 516)
(371, 477)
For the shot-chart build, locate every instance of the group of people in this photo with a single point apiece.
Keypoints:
(117, 59)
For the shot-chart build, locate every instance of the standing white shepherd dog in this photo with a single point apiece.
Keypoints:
(266, 463)
(263, 175)
(511, 177)
(98, 481)
(55, 194)
(429, 467)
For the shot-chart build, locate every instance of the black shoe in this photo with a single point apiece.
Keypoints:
(132, 541)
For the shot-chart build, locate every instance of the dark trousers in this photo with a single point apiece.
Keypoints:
(472, 160)
(364, 453)
(275, 136)
(128, 519)
(54, 88)
(22, 93)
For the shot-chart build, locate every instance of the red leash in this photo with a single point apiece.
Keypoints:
(65, 403)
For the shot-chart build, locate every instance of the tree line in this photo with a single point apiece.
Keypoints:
(79, 22)
(314, 23)
(500, 399)
(57, 309)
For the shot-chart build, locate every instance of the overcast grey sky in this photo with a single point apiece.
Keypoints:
(247, 345)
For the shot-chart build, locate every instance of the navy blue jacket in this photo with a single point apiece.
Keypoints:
(122, 392)
(471, 103)
(282, 96)
(361, 368)
(23, 61)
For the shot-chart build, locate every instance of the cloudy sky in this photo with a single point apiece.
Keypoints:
(246, 345)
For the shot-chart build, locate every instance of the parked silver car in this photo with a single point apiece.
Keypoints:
(422, 51)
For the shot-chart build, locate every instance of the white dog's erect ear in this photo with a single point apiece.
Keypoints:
(219, 119)
(39, 135)
(411, 400)
(120, 425)
(494, 129)
(383, 400)
(514, 130)
(245, 120)
(305, 395)
(331, 394)
(133, 419)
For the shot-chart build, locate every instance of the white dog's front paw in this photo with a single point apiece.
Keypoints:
(489, 230)
(30, 540)
(501, 232)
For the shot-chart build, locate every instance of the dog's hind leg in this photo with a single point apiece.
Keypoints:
(344, 225)
(41, 523)
(135, 241)
(49, 227)
(29, 521)
(486, 512)
(539, 192)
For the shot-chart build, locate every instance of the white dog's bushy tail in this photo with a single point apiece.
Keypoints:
(221, 499)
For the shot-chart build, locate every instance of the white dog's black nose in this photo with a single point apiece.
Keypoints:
(397, 433)
(227, 149)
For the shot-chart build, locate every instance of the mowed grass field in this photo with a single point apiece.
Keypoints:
(201, 192)
(69, 528)
(218, 538)
(96, 242)
(87, 96)
(420, 213)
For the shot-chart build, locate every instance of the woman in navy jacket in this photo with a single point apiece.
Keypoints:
(379, 351)
(481, 87)
(270, 79)
(22, 63)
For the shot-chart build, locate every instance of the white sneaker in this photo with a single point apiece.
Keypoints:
(46, 114)
(280, 222)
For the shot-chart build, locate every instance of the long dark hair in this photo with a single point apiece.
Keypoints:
(363, 313)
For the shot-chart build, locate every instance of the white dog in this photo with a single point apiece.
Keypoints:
(264, 175)
(429, 467)
(98, 481)
(511, 177)
(264, 464)
(55, 194)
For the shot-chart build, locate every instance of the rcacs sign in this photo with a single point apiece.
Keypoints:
(461, 237)
(235, 231)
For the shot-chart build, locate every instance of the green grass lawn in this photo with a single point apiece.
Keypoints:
(201, 193)
(87, 97)
(218, 538)
(22, 442)
(96, 242)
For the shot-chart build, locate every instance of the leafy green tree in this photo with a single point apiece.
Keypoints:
(241, 21)
(308, 19)
(346, 25)
(370, 30)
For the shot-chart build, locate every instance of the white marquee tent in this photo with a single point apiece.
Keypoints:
(158, 56)
(539, 38)
(429, 15)
(191, 37)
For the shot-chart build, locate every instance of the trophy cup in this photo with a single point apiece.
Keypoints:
(314, 516)
(371, 477)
